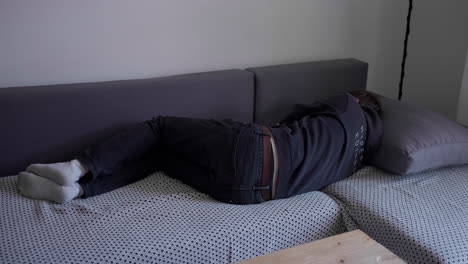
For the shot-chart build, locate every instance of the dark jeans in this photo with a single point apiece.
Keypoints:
(220, 158)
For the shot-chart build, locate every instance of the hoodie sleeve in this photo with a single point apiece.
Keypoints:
(301, 110)
(374, 131)
(298, 112)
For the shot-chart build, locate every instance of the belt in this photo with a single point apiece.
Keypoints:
(269, 168)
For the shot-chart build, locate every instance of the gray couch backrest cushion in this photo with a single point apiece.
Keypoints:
(54, 123)
(278, 88)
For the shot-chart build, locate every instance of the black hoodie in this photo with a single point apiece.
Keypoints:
(323, 143)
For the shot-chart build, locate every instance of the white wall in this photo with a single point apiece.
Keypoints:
(65, 41)
(462, 116)
(436, 55)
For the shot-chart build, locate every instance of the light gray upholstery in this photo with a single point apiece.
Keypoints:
(157, 220)
(423, 218)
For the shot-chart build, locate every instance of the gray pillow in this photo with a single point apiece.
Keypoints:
(415, 140)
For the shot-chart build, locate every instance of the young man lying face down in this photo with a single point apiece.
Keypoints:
(233, 162)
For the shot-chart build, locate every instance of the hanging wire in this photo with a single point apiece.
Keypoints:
(405, 53)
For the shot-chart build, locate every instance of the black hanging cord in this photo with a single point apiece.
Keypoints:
(405, 53)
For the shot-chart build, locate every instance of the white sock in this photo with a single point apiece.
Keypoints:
(63, 173)
(37, 187)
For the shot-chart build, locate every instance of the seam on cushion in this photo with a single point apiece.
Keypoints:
(421, 149)
(439, 145)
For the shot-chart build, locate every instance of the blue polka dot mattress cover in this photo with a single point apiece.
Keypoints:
(423, 217)
(158, 220)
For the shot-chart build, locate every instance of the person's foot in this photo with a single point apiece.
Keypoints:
(63, 173)
(37, 187)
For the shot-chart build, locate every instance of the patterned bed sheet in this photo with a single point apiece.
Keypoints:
(157, 220)
(423, 217)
